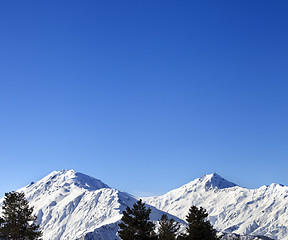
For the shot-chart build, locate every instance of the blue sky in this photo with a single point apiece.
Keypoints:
(144, 95)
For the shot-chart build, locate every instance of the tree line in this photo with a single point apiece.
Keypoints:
(18, 223)
(136, 225)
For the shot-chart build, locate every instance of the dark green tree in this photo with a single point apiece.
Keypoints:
(199, 228)
(168, 228)
(17, 222)
(135, 223)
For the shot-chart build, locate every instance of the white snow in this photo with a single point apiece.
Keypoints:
(231, 208)
(71, 205)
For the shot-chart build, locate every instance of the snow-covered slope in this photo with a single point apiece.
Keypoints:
(71, 205)
(74, 206)
(231, 208)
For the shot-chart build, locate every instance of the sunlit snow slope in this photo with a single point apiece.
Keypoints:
(71, 205)
(74, 206)
(231, 208)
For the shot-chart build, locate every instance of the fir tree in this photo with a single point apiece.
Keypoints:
(135, 223)
(168, 228)
(17, 222)
(199, 228)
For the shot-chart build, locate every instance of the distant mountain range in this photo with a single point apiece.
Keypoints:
(73, 206)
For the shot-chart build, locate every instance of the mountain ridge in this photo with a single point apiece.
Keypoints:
(231, 208)
(70, 205)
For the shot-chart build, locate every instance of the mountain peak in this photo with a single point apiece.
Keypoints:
(216, 181)
(70, 178)
(208, 182)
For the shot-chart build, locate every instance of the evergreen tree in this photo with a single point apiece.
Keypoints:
(168, 228)
(199, 228)
(17, 222)
(135, 223)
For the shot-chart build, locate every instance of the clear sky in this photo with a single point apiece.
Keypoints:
(144, 95)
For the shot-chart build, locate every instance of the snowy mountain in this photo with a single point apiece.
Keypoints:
(231, 208)
(71, 205)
